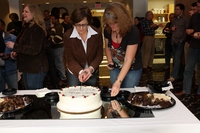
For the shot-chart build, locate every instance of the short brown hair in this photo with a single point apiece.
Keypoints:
(117, 12)
(80, 13)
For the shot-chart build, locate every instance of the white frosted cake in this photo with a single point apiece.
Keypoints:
(80, 102)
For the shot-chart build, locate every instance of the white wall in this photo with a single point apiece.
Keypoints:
(139, 8)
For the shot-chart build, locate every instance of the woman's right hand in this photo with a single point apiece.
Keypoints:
(110, 66)
(115, 89)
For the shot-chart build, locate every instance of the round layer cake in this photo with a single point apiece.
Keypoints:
(79, 100)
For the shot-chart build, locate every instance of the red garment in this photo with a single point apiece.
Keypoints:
(115, 45)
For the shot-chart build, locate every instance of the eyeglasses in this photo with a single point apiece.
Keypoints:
(81, 25)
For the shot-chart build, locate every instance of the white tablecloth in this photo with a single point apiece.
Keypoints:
(177, 119)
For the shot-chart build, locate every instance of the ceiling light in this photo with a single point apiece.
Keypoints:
(85, 1)
(110, 1)
(47, 3)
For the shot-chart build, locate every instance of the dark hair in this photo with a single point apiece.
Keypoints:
(80, 13)
(198, 1)
(139, 18)
(2, 22)
(194, 4)
(181, 6)
(64, 14)
(14, 15)
(55, 16)
(46, 11)
(147, 13)
(96, 22)
(55, 11)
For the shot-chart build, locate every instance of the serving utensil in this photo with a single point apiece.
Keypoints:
(81, 86)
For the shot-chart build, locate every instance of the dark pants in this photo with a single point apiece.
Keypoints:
(178, 69)
(168, 51)
(52, 68)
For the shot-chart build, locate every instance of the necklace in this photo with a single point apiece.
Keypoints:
(116, 34)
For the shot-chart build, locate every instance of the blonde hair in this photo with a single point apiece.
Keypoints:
(37, 16)
(117, 12)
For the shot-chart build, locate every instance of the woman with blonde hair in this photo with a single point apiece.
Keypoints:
(30, 48)
(122, 50)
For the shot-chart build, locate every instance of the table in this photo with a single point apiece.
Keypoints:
(177, 119)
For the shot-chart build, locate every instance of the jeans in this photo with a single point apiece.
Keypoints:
(33, 81)
(74, 81)
(58, 54)
(131, 79)
(10, 79)
(192, 58)
(178, 49)
(168, 51)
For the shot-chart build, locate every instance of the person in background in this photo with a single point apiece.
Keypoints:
(9, 71)
(193, 9)
(2, 46)
(66, 23)
(30, 48)
(168, 45)
(121, 45)
(137, 22)
(193, 54)
(178, 28)
(15, 26)
(47, 20)
(2, 63)
(54, 84)
(56, 39)
(83, 48)
(148, 46)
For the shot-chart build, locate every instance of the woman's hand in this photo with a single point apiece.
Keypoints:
(85, 75)
(10, 44)
(115, 88)
(116, 106)
(13, 55)
(110, 66)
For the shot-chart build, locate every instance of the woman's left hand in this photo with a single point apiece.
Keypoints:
(115, 88)
(85, 75)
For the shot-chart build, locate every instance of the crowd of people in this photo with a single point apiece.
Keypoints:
(71, 52)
